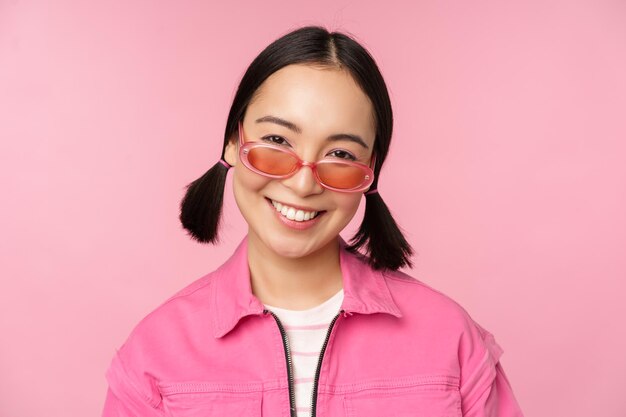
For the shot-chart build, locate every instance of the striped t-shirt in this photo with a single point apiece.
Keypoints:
(306, 331)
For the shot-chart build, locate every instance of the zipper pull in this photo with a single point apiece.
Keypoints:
(345, 313)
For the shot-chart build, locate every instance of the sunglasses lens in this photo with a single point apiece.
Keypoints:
(279, 163)
(342, 176)
(272, 161)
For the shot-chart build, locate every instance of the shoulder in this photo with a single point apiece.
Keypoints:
(429, 309)
(177, 312)
(154, 342)
(444, 321)
(414, 297)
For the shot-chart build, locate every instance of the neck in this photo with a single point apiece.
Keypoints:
(293, 283)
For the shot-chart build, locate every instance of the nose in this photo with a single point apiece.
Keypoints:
(303, 182)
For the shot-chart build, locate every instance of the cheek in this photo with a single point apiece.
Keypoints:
(246, 181)
(247, 190)
(346, 207)
(349, 203)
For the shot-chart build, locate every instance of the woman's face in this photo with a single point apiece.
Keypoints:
(301, 107)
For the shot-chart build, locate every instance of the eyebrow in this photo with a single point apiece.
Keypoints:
(296, 129)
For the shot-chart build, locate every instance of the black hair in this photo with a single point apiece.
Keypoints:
(384, 244)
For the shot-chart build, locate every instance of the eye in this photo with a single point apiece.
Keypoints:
(342, 154)
(275, 140)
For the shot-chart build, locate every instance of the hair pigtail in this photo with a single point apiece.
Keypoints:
(201, 207)
(385, 245)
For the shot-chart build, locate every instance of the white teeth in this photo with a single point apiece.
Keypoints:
(292, 213)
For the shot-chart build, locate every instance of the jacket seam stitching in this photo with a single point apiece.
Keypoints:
(187, 388)
(446, 380)
(153, 402)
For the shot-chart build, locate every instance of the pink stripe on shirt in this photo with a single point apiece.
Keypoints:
(309, 327)
(305, 353)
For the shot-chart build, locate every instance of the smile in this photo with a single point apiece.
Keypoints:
(293, 213)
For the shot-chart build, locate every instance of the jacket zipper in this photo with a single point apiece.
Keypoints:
(292, 394)
(319, 365)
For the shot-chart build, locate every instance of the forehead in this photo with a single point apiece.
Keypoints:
(318, 100)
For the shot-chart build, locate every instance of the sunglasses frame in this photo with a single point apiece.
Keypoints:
(246, 147)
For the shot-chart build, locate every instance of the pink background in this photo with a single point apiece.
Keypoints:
(510, 134)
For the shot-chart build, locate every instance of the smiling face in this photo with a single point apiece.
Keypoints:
(317, 113)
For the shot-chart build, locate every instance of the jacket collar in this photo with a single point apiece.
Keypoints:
(365, 289)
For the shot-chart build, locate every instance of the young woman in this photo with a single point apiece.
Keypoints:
(298, 322)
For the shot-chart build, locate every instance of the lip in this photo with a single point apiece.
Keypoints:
(307, 224)
(297, 207)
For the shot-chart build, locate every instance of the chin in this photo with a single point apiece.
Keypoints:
(291, 248)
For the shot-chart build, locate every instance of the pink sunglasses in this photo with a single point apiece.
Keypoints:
(275, 161)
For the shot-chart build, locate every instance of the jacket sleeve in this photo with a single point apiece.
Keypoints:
(485, 388)
(131, 393)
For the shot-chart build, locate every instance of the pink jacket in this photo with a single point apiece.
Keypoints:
(397, 348)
